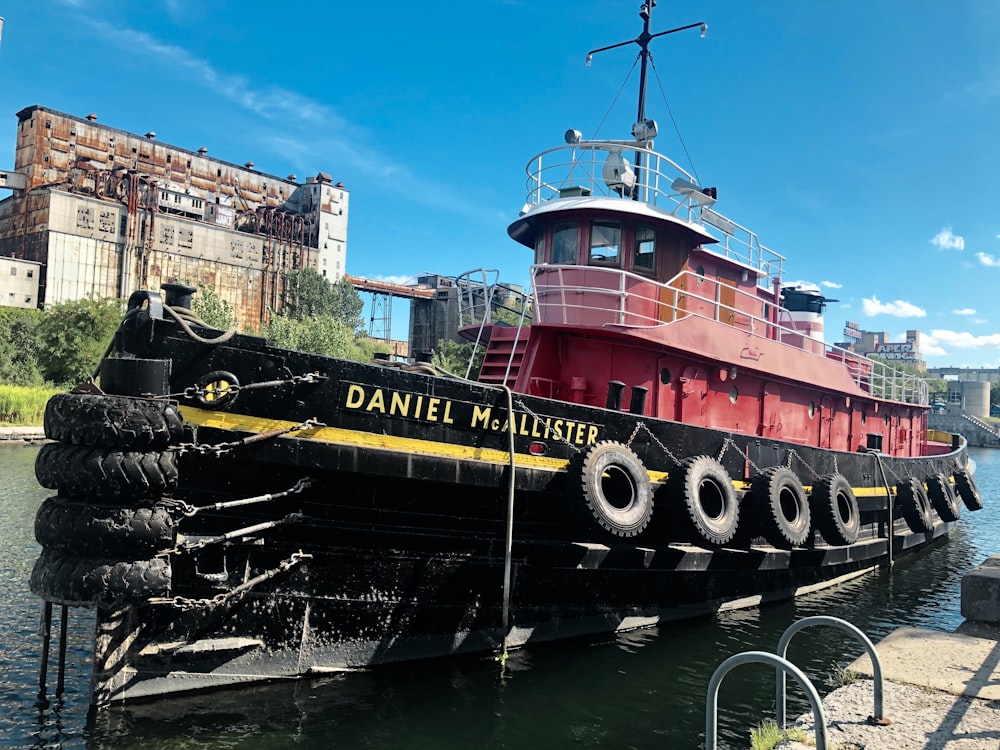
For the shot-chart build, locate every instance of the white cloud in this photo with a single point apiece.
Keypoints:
(946, 240)
(961, 339)
(987, 260)
(831, 285)
(928, 348)
(899, 308)
(964, 311)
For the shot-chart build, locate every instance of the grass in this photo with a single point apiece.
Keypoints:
(842, 676)
(767, 735)
(23, 406)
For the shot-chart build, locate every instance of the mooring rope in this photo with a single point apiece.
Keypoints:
(509, 541)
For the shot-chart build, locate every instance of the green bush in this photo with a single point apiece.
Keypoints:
(19, 346)
(23, 406)
(74, 335)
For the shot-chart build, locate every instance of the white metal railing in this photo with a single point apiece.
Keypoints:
(621, 298)
(577, 170)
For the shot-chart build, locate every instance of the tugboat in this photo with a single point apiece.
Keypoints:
(668, 438)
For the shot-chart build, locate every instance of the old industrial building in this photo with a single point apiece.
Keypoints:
(95, 210)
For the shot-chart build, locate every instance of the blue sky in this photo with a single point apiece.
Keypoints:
(858, 138)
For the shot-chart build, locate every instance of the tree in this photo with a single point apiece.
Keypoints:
(74, 335)
(454, 357)
(212, 309)
(307, 294)
(19, 346)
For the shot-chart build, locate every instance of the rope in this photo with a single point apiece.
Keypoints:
(615, 100)
(182, 315)
(509, 541)
(677, 130)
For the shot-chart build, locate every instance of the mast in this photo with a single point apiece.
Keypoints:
(643, 41)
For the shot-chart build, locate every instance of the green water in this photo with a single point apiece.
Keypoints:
(637, 690)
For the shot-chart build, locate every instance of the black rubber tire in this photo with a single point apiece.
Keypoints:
(80, 528)
(100, 474)
(943, 498)
(966, 488)
(915, 505)
(780, 503)
(615, 490)
(88, 581)
(112, 421)
(838, 517)
(701, 491)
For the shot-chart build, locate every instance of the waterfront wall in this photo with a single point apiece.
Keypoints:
(980, 434)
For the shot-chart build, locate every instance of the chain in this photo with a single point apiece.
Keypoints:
(730, 443)
(794, 454)
(220, 449)
(193, 392)
(184, 603)
(524, 407)
(656, 441)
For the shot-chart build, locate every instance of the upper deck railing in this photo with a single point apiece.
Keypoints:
(607, 169)
(590, 296)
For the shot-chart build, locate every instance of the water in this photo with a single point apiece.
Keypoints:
(638, 690)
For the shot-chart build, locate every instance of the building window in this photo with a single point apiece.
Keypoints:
(605, 243)
(13, 271)
(31, 273)
(644, 259)
(566, 243)
(27, 299)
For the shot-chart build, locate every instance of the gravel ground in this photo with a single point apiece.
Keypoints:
(921, 720)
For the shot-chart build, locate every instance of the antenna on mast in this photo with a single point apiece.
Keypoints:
(643, 41)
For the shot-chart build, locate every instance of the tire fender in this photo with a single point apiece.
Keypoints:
(781, 504)
(615, 489)
(838, 517)
(966, 488)
(915, 505)
(701, 491)
(943, 497)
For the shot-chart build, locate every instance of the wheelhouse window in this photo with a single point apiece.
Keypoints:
(605, 243)
(644, 259)
(566, 243)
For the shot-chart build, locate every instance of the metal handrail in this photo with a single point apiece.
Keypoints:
(761, 657)
(779, 700)
(870, 375)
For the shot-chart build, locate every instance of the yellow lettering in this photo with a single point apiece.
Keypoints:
(481, 415)
(432, 409)
(522, 428)
(592, 435)
(355, 396)
(377, 402)
(557, 429)
(400, 404)
(534, 428)
(548, 426)
(420, 402)
(579, 433)
(447, 413)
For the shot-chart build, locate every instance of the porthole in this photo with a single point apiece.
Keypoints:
(734, 394)
(812, 409)
(864, 417)
(665, 376)
(700, 271)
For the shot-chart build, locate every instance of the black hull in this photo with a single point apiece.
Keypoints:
(396, 549)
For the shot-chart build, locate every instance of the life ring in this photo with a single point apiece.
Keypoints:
(780, 500)
(89, 530)
(90, 581)
(838, 518)
(943, 497)
(615, 489)
(915, 506)
(100, 474)
(966, 488)
(112, 421)
(702, 491)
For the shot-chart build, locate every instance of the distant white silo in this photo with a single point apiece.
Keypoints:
(977, 398)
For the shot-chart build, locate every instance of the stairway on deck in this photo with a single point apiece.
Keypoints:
(503, 342)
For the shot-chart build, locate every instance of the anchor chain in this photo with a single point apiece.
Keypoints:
(203, 542)
(642, 426)
(184, 603)
(524, 407)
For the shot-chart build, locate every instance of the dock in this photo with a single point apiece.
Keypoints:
(941, 690)
(10, 435)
